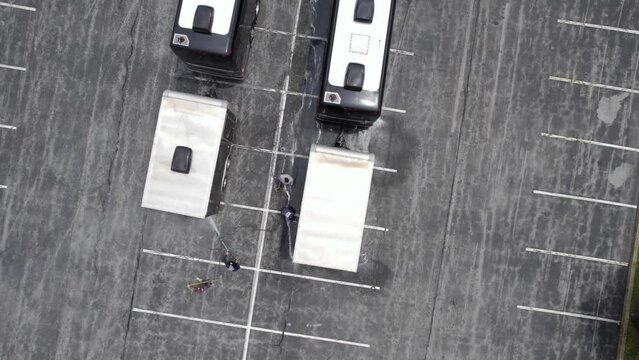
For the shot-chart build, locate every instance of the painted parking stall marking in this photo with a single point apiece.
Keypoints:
(299, 156)
(583, 198)
(16, 6)
(574, 256)
(390, 109)
(589, 142)
(12, 67)
(272, 211)
(565, 313)
(253, 328)
(266, 271)
(595, 26)
(286, 33)
(597, 85)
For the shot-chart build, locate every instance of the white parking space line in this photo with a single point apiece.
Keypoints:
(247, 207)
(589, 142)
(400, 111)
(588, 83)
(565, 313)
(402, 52)
(246, 86)
(272, 90)
(28, 8)
(385, 169)
(261, 88)
(189, 318)
(315, 278)
(238, 326)
(286, 33)
(11, 67)
(7, 127)
(280, 32)
(267, 271)
(318, 338)
(269, 187)
(580, 257)
(595, 26)
(255, 208)
(300, 156)
(3, 187)
(187, 258)
(377, 228)
(582, 198)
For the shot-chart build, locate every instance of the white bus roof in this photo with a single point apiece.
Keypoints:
(362, 43)
(222, 14)
(333, 212)
(195, 122)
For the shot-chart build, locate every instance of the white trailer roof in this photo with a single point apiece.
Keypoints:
(333, 212)
(196, 122)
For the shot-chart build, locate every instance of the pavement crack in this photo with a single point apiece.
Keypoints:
(127, 67)
(473, 38)
(286, 313)
(134, 284)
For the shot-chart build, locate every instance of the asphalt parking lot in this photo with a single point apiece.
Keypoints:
(501, 214)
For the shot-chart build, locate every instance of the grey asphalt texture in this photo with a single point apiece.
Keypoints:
(460, 210)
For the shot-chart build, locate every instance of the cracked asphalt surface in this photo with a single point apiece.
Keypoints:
(460, 210)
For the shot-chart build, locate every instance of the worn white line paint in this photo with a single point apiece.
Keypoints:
(189, 318)
(595, 26)
(402, 52)
(3, 187)
(250, 268)
(378, 228)
(7, 127)
(247, 86)
(11, 67)
(261, 88)
(266, 151)
(315, 278)
(269, 187)
(28, 8)
(318, 338)
(286, 33)
(379, 168)
(589, 142)
(183, 257)
(588, 83)
(247, 207)
(581, 257)
(311, 37)
(255, 208)
(582, 198)
(239, 326)
(393, 110)
(294, 93)
(565, 313)
(264, 222)
(300, 156)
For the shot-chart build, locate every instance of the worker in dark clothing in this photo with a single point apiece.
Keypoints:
(200, 285)
(231, 262)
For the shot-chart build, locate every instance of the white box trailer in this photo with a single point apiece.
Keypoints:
(190, 155)
(334, 205)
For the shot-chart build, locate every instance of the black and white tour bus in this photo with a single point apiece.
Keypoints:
(214, 36)
(353, 84)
